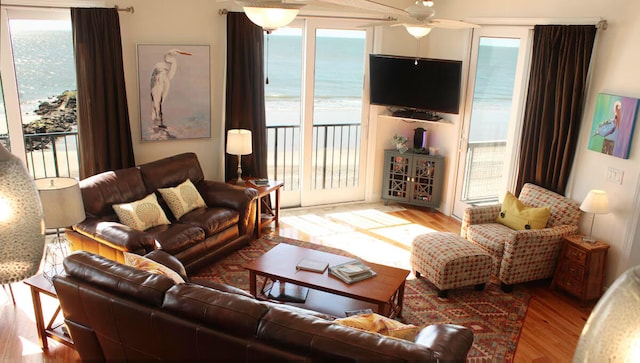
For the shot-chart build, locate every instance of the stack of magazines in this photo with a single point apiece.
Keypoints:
(352, 271)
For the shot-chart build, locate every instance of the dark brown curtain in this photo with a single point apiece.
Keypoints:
(103, 115)
(559, 66)
(245, 93)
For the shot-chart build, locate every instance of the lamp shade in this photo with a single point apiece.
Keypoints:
(612, 332)
(61, 201)
(596, 202)
(21, 221)
(239, 142)
(417, 31)
(271, 18)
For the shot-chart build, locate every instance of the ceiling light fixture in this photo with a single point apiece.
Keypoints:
(417, 31)
(270, 15)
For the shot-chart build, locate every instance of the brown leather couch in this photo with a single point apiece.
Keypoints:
(196, 239)
(118, 312)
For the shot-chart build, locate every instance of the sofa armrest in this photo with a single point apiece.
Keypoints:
(116, 235)
(478, 215)
(450, 343)
(164, 258)
(219, 194)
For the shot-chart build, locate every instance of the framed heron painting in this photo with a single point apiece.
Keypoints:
(174, 91)
(613, 122)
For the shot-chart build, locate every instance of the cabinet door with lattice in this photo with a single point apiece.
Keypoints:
(427, 180)
(395, 184)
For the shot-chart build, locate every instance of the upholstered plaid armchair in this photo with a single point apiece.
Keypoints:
(523, 255)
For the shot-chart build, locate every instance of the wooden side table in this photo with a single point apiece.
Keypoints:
(581, 268)
(272, 212)
(40, 285)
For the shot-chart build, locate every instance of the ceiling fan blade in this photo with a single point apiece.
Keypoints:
(367, 5)
(451, 24)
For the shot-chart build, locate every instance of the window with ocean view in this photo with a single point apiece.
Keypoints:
(314, 109)
(4, 127)
(46, 86)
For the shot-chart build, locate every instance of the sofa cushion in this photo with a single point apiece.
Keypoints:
(177, 236)
(141, 214)
(101, 191)
(211, 220)
(232, 313)
(182, 199)
(145, 264)
(491, 237)
(171, 171)
(517, 215)
(376, 323)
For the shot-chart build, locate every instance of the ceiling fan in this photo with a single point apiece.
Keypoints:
(418, 18)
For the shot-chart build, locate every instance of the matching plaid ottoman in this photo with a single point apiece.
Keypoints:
(450, 261)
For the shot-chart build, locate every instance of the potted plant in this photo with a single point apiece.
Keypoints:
(400, 142)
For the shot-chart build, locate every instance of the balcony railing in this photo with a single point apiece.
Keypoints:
(52, 154)
(335, 160)
(483, 173)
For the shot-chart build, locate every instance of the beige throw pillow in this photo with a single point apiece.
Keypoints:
(141, 214)
(376, 323)
(182, 199)
(143, 263)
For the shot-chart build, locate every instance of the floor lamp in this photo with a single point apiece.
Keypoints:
(239, 143)
(21, 221)
(63, 207)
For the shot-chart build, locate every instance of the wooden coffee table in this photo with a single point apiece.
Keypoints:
(383, 293)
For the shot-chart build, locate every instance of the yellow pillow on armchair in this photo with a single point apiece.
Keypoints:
(516, 215)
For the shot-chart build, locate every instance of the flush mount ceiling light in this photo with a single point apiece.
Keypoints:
(270, 15)
(418, 31)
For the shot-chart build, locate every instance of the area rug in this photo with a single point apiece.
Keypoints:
(495, 317)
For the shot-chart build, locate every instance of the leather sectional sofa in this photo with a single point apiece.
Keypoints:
(118, 312)
(196, 239)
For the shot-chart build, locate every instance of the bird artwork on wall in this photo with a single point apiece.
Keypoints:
(174, 92)
(613, 123)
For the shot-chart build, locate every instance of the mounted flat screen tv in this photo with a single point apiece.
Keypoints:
(421, 84)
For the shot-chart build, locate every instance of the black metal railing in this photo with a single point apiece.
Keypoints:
(335, 155)
(53, 154)
(483, 171)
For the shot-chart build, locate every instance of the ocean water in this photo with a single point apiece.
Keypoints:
(45, 68)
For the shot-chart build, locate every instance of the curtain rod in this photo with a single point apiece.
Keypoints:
(128, 9)
(389, 18)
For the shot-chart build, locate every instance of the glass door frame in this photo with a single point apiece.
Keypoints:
(525, 34)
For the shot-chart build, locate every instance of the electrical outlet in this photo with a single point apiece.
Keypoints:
(614, 175)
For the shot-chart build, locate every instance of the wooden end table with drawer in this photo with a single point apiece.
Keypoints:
(272, 213)
(581, 268)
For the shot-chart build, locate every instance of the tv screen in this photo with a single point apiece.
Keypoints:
(422, 84)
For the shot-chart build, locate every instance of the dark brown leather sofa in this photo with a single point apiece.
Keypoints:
(196, 239)
(117, 312)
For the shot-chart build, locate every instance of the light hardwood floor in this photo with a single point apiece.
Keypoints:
(551, 329)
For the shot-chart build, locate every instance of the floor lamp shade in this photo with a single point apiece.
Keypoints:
(61, 201)
(612, 332)
(21, 221)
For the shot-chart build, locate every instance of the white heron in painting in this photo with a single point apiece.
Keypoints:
(161, 78)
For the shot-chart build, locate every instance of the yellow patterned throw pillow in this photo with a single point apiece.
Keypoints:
(143, 263)
(516, 215)
(376, 323)
(182, 199)
(141, 214)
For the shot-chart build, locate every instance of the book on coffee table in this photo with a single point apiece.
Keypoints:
(308, 264)
(352, 271)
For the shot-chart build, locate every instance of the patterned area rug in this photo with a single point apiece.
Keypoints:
(496, 318)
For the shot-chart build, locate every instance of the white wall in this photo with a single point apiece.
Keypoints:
(615, 71)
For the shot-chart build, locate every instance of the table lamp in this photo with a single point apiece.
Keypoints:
(239, 143)
(21, 221)
(62, 204)
(612, 332)
(596, 202)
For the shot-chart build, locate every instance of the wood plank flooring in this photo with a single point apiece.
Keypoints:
(550, 333)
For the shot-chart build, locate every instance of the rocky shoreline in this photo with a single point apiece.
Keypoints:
(58, 115)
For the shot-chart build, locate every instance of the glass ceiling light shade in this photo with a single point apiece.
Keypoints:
(239, 143)
(21, 221)
(271, 17)
(612, 332)
(417, 31)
